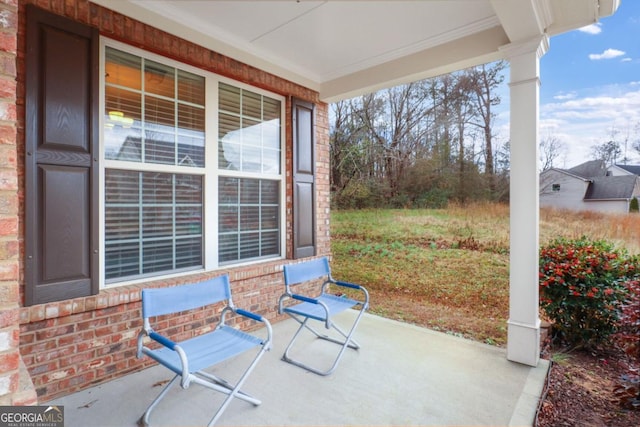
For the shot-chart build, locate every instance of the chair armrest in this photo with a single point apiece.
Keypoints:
(305, 299)
(162, 340)
(249, 314)
(186, 379)
(257, 317)
(354, 286)
(317, 302)
(347, 284)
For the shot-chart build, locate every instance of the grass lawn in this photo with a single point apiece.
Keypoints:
(448, 269)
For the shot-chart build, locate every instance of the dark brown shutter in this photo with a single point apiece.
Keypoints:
(61, 137)
(304, 212)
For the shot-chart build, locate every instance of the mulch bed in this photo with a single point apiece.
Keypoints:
(579, 391)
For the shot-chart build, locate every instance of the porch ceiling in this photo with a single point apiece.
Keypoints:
(346, 48)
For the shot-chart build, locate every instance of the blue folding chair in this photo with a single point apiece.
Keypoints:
(189, 358)
(321, 308)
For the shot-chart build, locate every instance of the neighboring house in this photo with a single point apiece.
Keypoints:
(149, 144)
(590, 186)
(618, 170)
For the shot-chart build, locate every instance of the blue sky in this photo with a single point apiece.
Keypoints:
(591, 86)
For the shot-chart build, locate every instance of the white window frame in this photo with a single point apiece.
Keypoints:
(210, 172)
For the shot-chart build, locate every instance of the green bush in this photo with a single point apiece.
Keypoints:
(633, 205)
(582, 285)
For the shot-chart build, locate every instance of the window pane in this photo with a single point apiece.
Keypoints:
(229, 98)
(123, 123)
(154, 222)
(271, 164)
(122, 69)
(122, 223)
(188, 220)
(157, 188)
(228, 247)
(249, 245)
(270, 243)
(251, 159)
(270, 192)
(228, 190)
(171, 130)
(250, 191)
(249, 131)
(122, 259)
(159, 79)
(251, 105)
(157, 256)
(188, 189)
(271, 110)
(191, 88)
(228, 219)
(122, 186)
(190, 136)
(157, 222)
(269, 217)
(249, 219)
(189, 253)
(271, 134)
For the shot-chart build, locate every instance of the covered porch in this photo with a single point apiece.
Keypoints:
(402, 375)
(321, 52)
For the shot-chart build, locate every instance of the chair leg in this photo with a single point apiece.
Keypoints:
(235, 391)
(227, 387)
(348, 342)
(144, 419)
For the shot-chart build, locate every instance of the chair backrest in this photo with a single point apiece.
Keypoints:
(156, 302)
(305, 271)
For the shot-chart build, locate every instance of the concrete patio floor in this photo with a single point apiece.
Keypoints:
(403, 375)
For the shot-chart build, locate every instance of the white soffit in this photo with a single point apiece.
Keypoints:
(346, 48)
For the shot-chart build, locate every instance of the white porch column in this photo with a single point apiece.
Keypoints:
(523, 340)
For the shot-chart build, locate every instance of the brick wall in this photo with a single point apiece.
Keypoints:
(74, 344)
(15, 385)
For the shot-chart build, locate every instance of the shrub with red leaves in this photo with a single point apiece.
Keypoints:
(582, 288)
(627, 390)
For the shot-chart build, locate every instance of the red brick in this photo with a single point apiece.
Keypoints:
(9, 317)
(78, 338)
(9, 361)
(8, 226)
(8, 179)
(54, 332)
(53, 354)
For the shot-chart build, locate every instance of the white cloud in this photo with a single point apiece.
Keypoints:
(592, 29)
(586, 121)
(627, 59)
(562, 96)
(607, 54)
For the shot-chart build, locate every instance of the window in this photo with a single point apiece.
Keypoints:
(555, 187)
(164, 181)
(249, 142)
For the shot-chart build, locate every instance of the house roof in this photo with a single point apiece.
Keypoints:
(347, 48)
(634, 169)
(611, 187)
(590, 169)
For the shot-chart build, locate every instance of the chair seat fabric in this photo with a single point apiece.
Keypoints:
(206, 350)
(335, 304)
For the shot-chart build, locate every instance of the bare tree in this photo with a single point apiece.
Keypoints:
(551, 149)
(607, 151)
(487, 78)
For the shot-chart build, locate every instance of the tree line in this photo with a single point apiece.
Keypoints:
(421, 144)
(427, 143)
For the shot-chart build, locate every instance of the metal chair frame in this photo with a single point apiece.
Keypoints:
(321, 308)
(189, 358)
